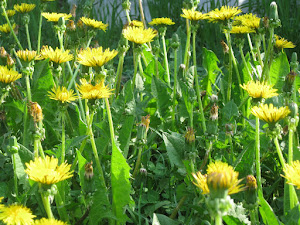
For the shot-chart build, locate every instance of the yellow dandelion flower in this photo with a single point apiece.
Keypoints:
(24, 7)
(269, 113)
(225, 13)
(161, 21)
(220, 176)
(257, 89)
(62, 94)
(193, 15)
(241, 30)
(8, 76)
(89, 91)
(26, 55)
(94, 23)
(95, 57)
(16, 215)
(283, 43)
(45, 221)
(10, 12)
(54, 17)
(292, 173)
(139, 35)
(47, 171)
(6, 29)
(249, 20)
(58, 55)
(136, 23)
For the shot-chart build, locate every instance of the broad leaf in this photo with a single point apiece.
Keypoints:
(280, 67)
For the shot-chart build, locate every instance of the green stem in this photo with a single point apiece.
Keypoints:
(127, 16)
(36, 145)
(11, 29)
(207, 153)
(257, 154)
(231, 149)
(110, 121)
(292, 194)
(61, 207)
(180, 203)
(119, 74)
(156, 66)
(15, 175)
(229, 84)
(83, 143)
(197, 83)
(46, 203)
(174, 88)
(39, 34)
(41, 151)
(63, 137)
(139, 203)
(251, 47)
(265, 72)
(253, 217)
(28, 37)
(218, 219)
(166, 58)
(136, 57)
(187, 45)
(244, 60)
(290, 153)
(138, 163)
(28, 88)
(279, 152)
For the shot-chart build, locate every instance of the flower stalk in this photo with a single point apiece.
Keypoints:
(257, 155)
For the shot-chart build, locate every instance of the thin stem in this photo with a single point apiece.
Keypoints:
(290, 153)
(28, 37)
(265, 72)
(36, 145)
(253, 217)
(229, 84)
(187, 45)
(207, 153)
(279, 152)
(119, 74)
(136, 55)
(180, 203)
(63, 137)
(218, 219)
(39, 34)
(137, 163)
(197, 83)
(257, 154)
(10, 27)
(251, 46)
(174, 88)
(142, 13)
(61, 207)
(244, 60)
(41, 151)
(28, 88)
(110, 121)
(15, 175)
(166, 58)
(139, 203)
(83, 143)
(46, 203)
(231, 149)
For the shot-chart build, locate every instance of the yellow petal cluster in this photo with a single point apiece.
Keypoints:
(95, 57)
(241, 30)
(5, 28)
(62, 94)
(139, 35)
(58, 55)
(16, 215)
(161, 21)
(8, 75)
(45, 221)
(193, 15)
(10, 12)
(249, 20)
(292, 173)
(257, 89)
(54, 17)
(89, 91)
(94, 23)
(47, 171)
(269, 113)
(219, 175)
(136, 23)
(225, 13)
(24, 7)
(283, 43)
(26, 55)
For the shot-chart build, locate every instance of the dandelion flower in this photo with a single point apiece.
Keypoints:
(16, 215)
(54, 17)
(58, 55)
(95, 57)
(249, 20)
(220, 176)
(8, 76)
(292, 173)
(139, 35)
(136, 23)
(223, 14)
(47, 171)
(6, 29)
(62, 94)
(269, 113)
(45, 221)
(257, 89)
(94, 23)
(241, 30)
(89, 91)
(26, 55)
(161, 21)
(282, 43)
(10, 12)
(24, 7)
(193, 15)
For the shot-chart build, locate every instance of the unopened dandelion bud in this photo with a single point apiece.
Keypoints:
(26, 19)
(294, 109)
(182, 66)
(89, 171)
(251, 182)
(175, 41)
(294, 63)
(214, 112)
(190, 135)
(36, 112)
(145, 122)
(126, 5)
(251, 193)
(273, 11)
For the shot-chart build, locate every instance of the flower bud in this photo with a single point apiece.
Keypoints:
(251, 193)
(190, 135)
(88, 171)
(274, 11)
(294, 109)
